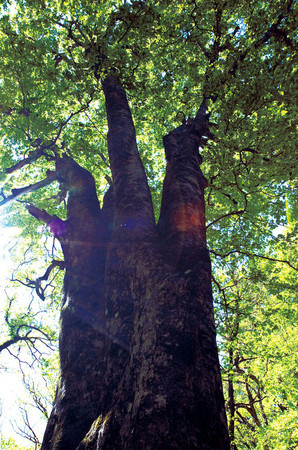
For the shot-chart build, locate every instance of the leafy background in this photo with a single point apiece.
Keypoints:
(169, 56)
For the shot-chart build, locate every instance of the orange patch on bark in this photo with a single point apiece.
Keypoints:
(186, 217)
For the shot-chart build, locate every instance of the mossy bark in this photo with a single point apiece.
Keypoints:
(139, 362)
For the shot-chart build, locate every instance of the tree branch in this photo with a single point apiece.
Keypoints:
(55, 263)
(202, 47)
(272, 31)
(28, 432)
(11, 342)
(40, 400)
(40, 214)
(36, 284)
(232, 213)
(32, 157)
(63, 124)
(253, 255)
(51, 176)
(27, 337)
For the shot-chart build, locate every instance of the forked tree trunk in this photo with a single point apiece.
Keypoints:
(139, 362)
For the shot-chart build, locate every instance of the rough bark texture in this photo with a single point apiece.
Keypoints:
(139, 363)
(82, 335)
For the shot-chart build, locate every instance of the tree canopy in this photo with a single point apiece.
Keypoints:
(238, 58)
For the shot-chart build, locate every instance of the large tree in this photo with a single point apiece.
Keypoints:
(138, 358)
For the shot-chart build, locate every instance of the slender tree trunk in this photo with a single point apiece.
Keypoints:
(139, 362)
(231, 401)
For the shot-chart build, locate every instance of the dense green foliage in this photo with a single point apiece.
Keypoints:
(170, 55)
(256, 322)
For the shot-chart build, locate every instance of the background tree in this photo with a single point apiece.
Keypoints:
(29, 337)
(260, 340)
(171, 57)
(40, 388)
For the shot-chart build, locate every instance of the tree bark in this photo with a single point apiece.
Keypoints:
(83, 239)
(139, 362)
(231, 401)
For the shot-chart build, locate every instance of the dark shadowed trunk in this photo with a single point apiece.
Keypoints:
(139, 362)
(231, 402)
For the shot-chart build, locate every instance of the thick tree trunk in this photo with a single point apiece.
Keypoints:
(139, 363)
(83, 237)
